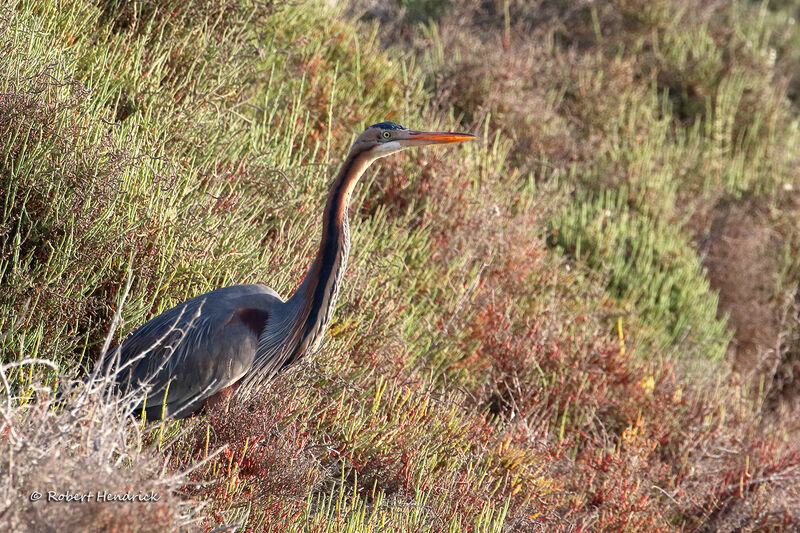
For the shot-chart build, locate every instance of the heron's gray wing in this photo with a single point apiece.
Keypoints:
(190, 353)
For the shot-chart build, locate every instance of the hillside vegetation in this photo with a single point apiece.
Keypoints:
(586, 321)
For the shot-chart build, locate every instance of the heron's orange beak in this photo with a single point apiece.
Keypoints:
(435, 137)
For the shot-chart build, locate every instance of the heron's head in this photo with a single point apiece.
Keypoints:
(380, 140)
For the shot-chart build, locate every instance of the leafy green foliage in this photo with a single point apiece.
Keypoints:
(649, 268)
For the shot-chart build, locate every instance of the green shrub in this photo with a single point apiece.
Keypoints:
(650, 268)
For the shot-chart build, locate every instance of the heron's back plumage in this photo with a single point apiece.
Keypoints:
(197, 348)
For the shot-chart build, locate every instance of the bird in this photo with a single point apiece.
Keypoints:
(199, 352)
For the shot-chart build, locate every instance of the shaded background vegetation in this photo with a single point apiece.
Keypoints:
(588, 321)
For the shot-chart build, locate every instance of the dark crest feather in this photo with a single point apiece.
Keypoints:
(388, 126)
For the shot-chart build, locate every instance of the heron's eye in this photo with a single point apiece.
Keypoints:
(386, 134)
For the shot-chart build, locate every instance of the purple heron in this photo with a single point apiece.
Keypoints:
(199, 351)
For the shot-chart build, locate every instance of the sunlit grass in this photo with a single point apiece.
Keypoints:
(503, 354)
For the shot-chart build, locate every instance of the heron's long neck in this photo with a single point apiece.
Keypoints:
(316, 297)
